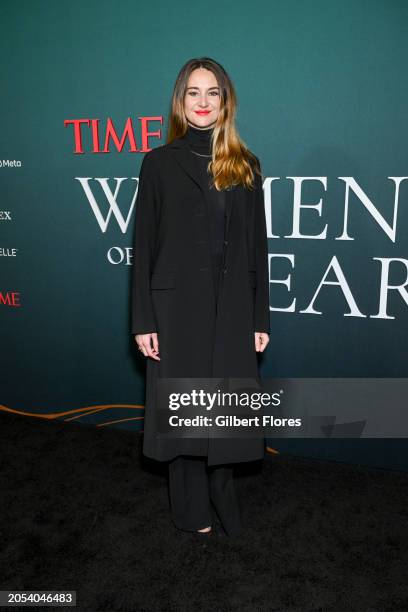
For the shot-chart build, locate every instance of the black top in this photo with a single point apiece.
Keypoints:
(199, 141)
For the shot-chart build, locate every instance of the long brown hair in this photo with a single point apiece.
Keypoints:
(232, 162)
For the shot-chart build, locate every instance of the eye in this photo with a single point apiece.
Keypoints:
(211, 93)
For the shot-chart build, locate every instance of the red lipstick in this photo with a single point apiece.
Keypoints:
(203, 112)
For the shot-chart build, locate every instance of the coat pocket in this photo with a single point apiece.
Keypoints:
(252, 278)
(163, 280)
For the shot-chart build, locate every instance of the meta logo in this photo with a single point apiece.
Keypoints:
(110, 134)
(10, 298)
(10, 163)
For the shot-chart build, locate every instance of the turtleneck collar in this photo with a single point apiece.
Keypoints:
(199, 139)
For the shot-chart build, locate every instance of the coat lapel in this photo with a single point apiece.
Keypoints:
(185, 158)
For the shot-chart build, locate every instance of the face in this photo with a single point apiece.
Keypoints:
(202, 99)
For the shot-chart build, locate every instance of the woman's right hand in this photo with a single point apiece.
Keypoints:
(145, 342)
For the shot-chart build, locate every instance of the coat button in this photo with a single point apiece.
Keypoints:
(225, 241)
(225, 270)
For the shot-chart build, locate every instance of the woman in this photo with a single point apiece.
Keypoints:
(200, 288)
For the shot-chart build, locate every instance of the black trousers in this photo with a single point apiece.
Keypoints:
(194, 487)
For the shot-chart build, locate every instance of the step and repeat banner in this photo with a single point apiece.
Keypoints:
(322, 101)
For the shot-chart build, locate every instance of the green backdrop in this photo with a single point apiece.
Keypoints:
(322, 90)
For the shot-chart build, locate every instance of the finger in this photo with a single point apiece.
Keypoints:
(155, 341)
(257, 342)
(261, 340)
(142, 349)
(264, 341)
(149, 350)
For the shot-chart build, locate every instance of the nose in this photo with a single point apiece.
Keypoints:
(203, 102)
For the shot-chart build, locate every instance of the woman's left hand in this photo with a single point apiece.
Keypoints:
(261, 341)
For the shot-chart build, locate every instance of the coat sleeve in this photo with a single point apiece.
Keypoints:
(261, 313)
(144, 243)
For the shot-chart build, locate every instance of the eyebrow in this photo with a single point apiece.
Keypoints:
(215, 87)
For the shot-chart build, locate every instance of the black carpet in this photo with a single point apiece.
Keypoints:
(82, 509)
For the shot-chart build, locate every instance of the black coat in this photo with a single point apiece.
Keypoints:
(173, 292)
